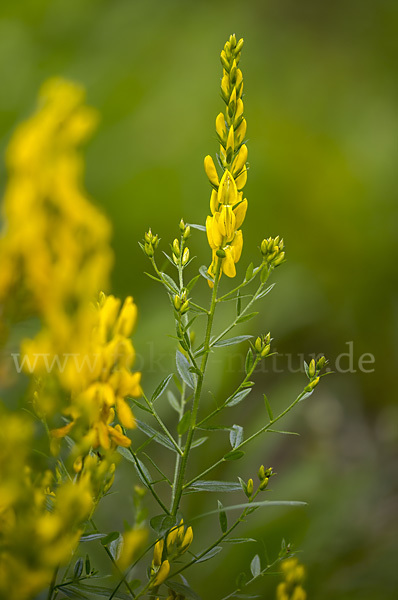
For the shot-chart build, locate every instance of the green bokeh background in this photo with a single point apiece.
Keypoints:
(321, 105)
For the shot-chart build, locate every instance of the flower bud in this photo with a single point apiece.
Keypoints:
(258, 344)
(211, 171)
(220, 127)
(221, 253)
(157, 553)
(176, 247)
(182, 225)
(264, 247)
(280, 259)
(185, 257)
(264, 483)
(311, 369)
(261, 473)
(311, 385)
(185, 307)
(162, 574)
(321, 363)
(149, 250)
(265, 351)
(177, 302)
(250, 487)
(187, 232)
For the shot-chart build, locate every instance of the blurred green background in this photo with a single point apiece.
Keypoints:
(321, 106)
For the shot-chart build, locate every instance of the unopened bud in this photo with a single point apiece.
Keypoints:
(264, 483)
(220, 253)
(177, 302)
(176, 247)
(211, 171)
(187, 232)
(311, 385)
(311, 369)
(149, 250)
(280, 259)
(265, 351)
(220, 127)
(250, 487)
(264, 247)
(321, 363)
(261, 473)
(258, 344)
(185, 256)
(184, 307)
(182, 225)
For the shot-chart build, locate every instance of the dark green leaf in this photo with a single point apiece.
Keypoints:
(87, 564)
(234, 455)
(72, 591)
(183, 367)
(244, 318)
(99, 590)
(236, 435)
(162, 523)
(183, 425)
(183, 589)
(255, 566)
(161, 387)
(222, 516)
(209, 554)
(249, 272)
(110, 537)
(283, 432)
(241, 581)
(238, 304)
(78, 568)
(238, 397)
(232, 341)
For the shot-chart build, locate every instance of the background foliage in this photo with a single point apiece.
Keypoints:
(322, 126)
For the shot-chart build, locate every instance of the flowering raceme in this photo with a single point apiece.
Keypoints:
(227, 205)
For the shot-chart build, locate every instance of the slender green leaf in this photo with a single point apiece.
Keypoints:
(161, 387)
(234, 455)
(249, 272)
(192, 282)
(239, 540)
(265, 292)
(87, 564)
(152, 276)
(222, 516)
(158, 437)
(183, 424)
(238, 304)
(171, 282)
(173, 401)
(78, 568)
(97, 590)
(72, 591)
(204, 273)
(244, 318)
(263, 504)
(255, 566)
(249, 361)
(241, 581)
(215, 486)
(89, 537)
(183, 367)
(236, 435)
(283, 432)
(213, 552)
(199, 442)
(238, 397)
(268, 407)
(116, 546)
(232, 341)
(195, 226)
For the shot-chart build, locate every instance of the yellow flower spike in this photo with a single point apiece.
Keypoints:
(221, 128)
(211, 171)
(187, 540)
(240, 213)
(240, 160)
(227, 191)
(124, 413)
(226, 222)
(213, 202)
(157, 553)
(162, 574)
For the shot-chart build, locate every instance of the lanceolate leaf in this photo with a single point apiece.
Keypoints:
(255, 566)
(215, 486)
(232, 341)
(204, 273)
(222, 516)
(183, 589)
(183, 425)
(236, 435)
(234, 455)
(238, 397)
(158, 437)
(161, 387)
(244, 318)
(265, 292)
(183, 367)
(209, 554)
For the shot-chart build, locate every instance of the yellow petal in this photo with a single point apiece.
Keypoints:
(227, 191)
(211, 171)
(241, 179)
(237, 245)
(228, 263)
(240, 213)
(226, 222)
(213, 202)
(124, 413)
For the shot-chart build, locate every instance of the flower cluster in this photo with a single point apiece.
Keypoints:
(34, 508)
(291, 588)
(227, 205)
(106, 380)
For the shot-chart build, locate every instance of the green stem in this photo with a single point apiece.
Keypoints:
(53, 583)
(198, 391)
(178, 457)
(148, 483)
